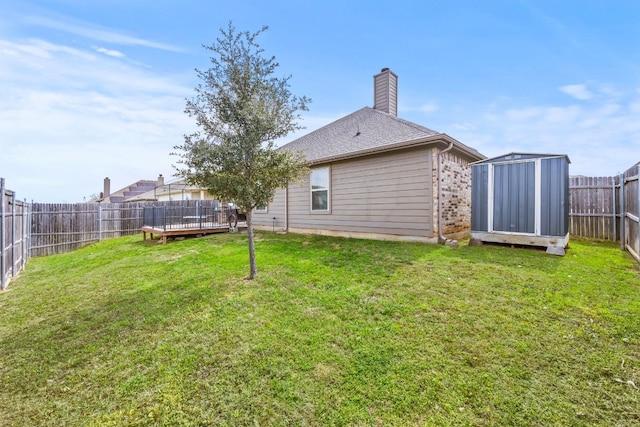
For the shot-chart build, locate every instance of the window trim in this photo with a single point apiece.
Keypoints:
(328, 190)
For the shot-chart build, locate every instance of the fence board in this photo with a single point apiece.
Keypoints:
(63, 227)
(631, 224)
(14, 235)
(593, 211)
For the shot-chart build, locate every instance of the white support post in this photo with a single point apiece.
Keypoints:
(99, 223)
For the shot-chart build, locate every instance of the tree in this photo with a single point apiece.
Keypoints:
(240, 109)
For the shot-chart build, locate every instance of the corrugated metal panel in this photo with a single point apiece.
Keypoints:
(480, 198)
(554, 197)
(514, 197)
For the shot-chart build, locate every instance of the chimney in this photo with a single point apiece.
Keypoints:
(385, 92)
(107, 187)
(160, 180)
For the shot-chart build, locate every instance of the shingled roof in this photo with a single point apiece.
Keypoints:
(373, 130)
(368, 131)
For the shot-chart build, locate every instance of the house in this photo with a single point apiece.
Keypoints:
(177, 190)
(375, 175)
(151, 191)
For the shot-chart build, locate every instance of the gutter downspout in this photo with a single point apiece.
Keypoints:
(441, 238)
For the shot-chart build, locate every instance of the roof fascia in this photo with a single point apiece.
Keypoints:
(439, 139)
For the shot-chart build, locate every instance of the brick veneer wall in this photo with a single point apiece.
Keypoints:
(456, 195)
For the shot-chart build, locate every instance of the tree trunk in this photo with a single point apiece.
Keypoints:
(252, 249)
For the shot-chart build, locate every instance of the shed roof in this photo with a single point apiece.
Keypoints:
(513, 156)
(368, 131)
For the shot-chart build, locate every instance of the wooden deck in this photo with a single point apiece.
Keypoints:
(186, 231)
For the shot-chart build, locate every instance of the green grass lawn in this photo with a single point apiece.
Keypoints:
(332, 332)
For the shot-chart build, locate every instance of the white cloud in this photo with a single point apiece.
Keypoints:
(425, 108)
(96, 32)
(68, 118)
(109, 52)
(608, 109)
(429, 107)
(562, 114)
(519, 114)
(577, 91)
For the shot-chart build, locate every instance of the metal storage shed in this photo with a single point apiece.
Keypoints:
(522, 199)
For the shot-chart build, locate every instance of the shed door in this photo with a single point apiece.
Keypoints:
(514, 197)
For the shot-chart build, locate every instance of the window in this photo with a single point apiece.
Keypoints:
(261, 209)
(320, 189)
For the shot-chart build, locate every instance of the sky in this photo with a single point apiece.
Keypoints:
(92, 89)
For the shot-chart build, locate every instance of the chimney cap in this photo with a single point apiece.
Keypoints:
(384, 69)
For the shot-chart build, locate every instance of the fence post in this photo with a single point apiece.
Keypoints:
(3, 263)
(198, 214)
(29, 225)
(638, 213)
(99, 223)
(13, 234)
(623, 225)
(24, 233)
(613, 207)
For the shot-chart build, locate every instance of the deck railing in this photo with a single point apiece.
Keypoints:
(181, 217)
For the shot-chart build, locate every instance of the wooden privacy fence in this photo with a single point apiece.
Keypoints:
(607, 208)
(63, 227)
(14, 235)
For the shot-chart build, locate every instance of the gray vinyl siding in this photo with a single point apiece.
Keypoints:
(387, 194)
(386, 93)
(275, 210)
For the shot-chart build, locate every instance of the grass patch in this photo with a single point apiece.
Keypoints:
(332, 332)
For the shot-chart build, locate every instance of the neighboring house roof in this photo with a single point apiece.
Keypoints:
(166, 189)
(129, 192)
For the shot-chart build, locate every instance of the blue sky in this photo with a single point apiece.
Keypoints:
(90, 89)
